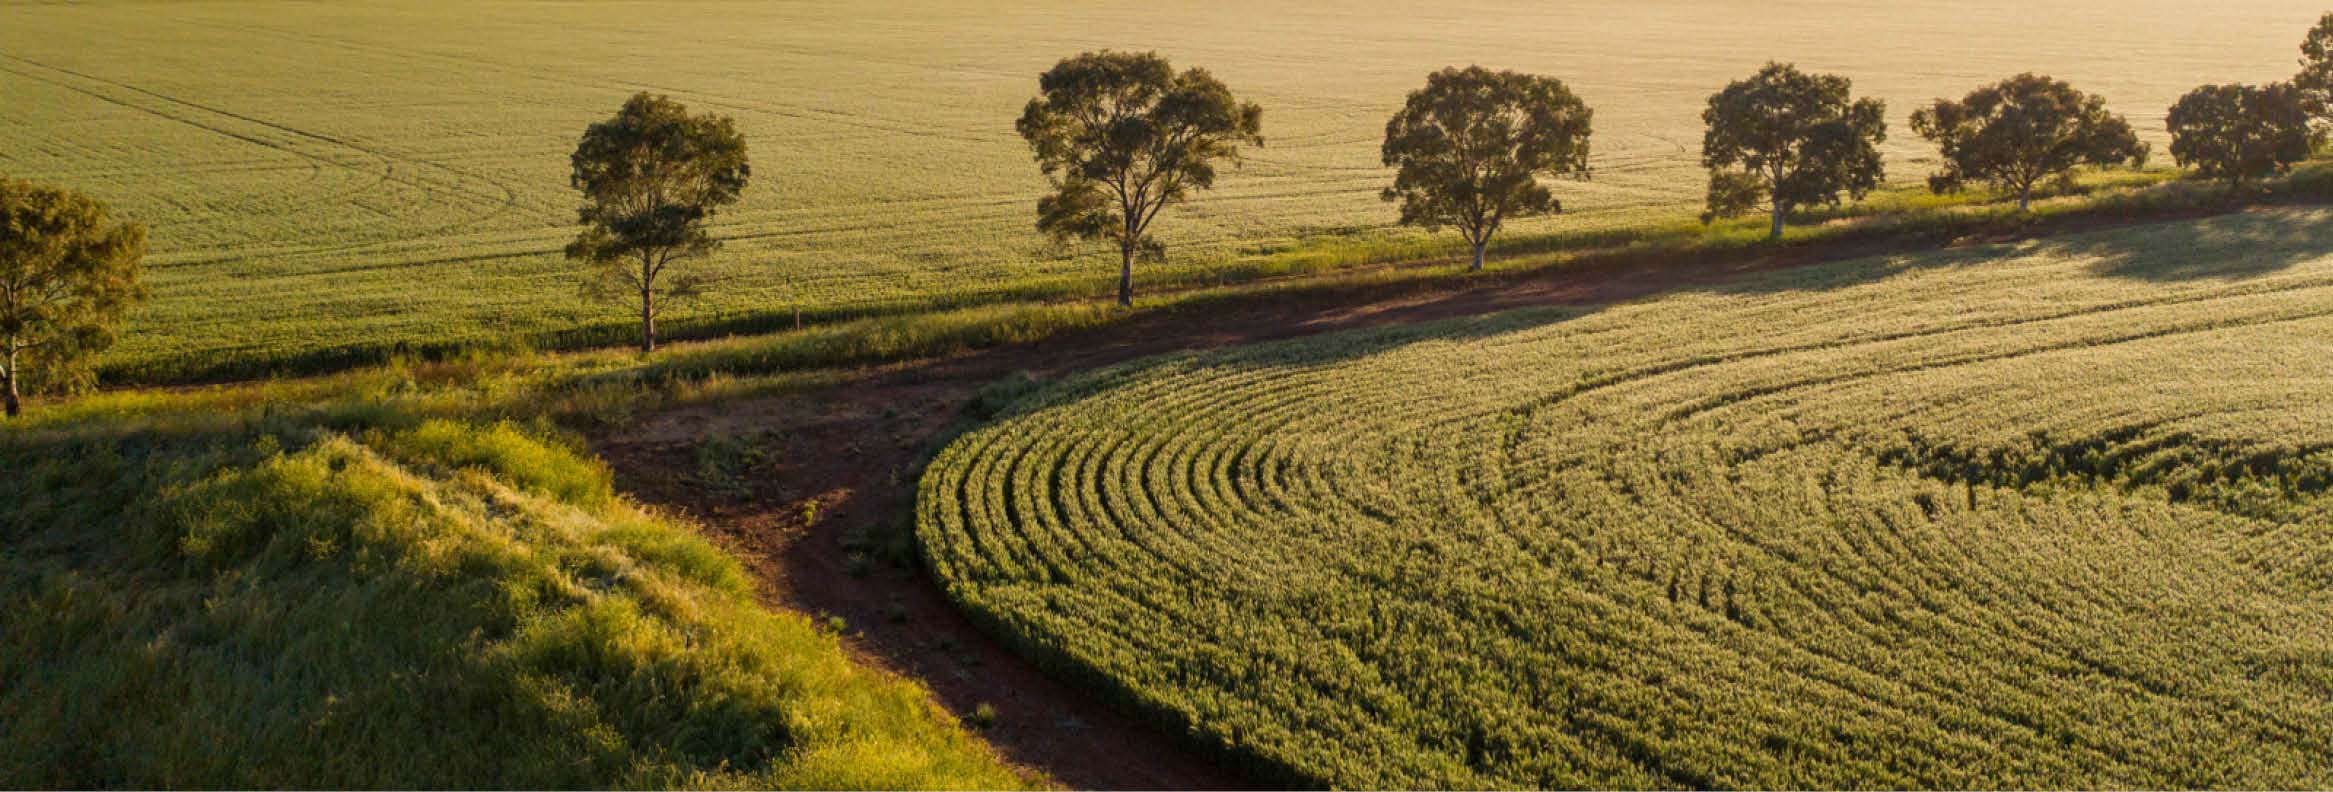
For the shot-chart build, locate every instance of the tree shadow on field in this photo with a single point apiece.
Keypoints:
(1356, 344)
(2227, 247)
(2230, 247)
(2233, 246)
(1284, 335)
(1288, 354)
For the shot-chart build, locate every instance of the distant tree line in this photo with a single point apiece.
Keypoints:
(1123, 136)
(1473, 149)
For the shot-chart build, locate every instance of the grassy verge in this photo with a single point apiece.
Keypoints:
(236, 593)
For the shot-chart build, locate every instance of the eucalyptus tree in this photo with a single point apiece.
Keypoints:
(651, 178)
(2241, 133)
(2315, 80)
(2022, 132)
(68, 273)
(1470, 147)
(1121, 136)
(1787, 139)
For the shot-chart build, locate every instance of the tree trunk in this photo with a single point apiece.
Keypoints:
(2025, 198)
(1776, 232)
(1126, 275)
(647, 321)
(15, 407)
(1478, 246)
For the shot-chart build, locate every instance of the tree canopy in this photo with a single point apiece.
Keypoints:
(1122, 136)
(2023, 131)
(1789, 139)
(2240, 133)
(68, 272)
(2315, 80)
(651, 177)
(1469, 149)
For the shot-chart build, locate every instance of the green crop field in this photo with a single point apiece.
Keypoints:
(328, 180)
(2051, 514)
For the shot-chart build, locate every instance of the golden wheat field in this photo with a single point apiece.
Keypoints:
(328, 180)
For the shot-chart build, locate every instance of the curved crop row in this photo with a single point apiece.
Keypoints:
(2045, 515)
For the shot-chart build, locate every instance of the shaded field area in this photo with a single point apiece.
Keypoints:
(2047, 513)
(330, 182)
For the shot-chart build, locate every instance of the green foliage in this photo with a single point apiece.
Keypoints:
(2024, 131)
(1789, 139)
(447, 605)
(2315, 80)
(651, 178)
(2043, 514)
(68, 272)
(1468, 150)
(507, 453)
(2241, 133)
(1122, 136)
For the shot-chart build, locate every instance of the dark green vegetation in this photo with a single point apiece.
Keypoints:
(652, 177)
(2022, 132)
(1785, 140)
(2046, 514)
(67, 272)
(1122, 136)
(2241, 133)
(1468, 150)
(2316, 76)
(310, 586)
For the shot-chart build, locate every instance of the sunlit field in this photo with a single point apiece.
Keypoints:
(2051, 514)
(325, 181)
